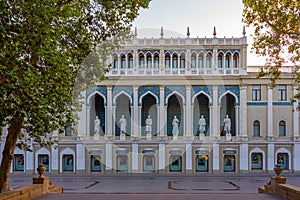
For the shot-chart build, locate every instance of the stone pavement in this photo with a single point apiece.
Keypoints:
(156, 186)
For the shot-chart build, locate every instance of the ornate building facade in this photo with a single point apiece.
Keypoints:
(187, 79)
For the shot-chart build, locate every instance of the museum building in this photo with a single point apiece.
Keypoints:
(178, 105)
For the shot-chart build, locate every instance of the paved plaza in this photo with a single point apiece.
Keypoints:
(147, 186)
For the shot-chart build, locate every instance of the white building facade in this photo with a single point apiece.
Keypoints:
(160, 78)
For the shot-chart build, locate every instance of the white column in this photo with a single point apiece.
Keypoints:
(215, 113)
(296, 157)
(295, 115)
(135, 157)
(243, 111)
(216, 157)
(109, 114)
(188, 112)
(270, 112)
(210, 121)
(88, 116)
(108, 156)
(135, 120)
(132, 122)
(188, 157)
(80, 157)
(244, 163)
(161, 126)
(29, 158)
(139, 121)
(237, 121)
(271, 154)
(113, 120)
(161, 156)
(54, 159)
(82, 116)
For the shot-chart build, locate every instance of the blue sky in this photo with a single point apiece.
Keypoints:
(200, 15)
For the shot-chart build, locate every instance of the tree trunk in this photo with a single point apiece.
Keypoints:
(8, 152)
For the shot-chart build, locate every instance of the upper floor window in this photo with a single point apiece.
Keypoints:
(115, 62)
(235, 60)
(182, 61)
(256, 92)
(208, 60)
(123, 63)
(175, 61)
(167, 61)
(193, 61)
(141, 61)
(200, 61)
(130, 61)
(156, 61)
(149, 61)
(227, 61)
(220, 60)
(256, 128)
(282, 128)
(281, 93)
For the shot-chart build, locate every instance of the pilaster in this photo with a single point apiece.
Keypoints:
(135, 123)
(161, 157)
(270, 113)
(188, 110)
(109, 113)
(271, 154)
(215, 113)
(162, 111)
(243, 111)
(54, 160)
(188, 158)
(295, 116)
(216, 158)
(244, 161)
(108, 158)
(80, 158)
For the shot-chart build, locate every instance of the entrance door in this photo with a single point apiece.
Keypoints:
(122, 163)
(229, 163)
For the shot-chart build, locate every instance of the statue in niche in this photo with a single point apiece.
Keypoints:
(123, 124)
(202, 124)
(227, 125)
(175, 124)
(148, 125)
(97, 125)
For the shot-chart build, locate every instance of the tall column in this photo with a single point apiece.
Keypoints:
(271, 154)
(161, 126)
(237, 121)
(296, 157)
(215, 113)
(132, 133)
(210, 121)
(135, 120)
(54, 159)
(109, 113)
(82, 116)
(188, 110)
(80, 158)
(113, 120)
(216, 158)
(108, 157)
(295, 116)
(88, 120)
(161, 157)
(188, 158)
(135, 157)
(270, 113)
(244, 161)
(243, 112)
(29, 158)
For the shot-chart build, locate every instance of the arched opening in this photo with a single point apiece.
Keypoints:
(227, 60)
(200, 60)
(193, 60)
(141, 61)
(182, 61)
(282, 128)
(167, 61)
(175, 108)
(149, 107)
(149, 61)
(201, 107)
(130, 61)
(174, 62)
(220, 60)
(123, 108)
(97, 109)
(228, 103)
(123, 61)
(256, 128)
(156, 61)
(115, 57)
(235, 60)
(208, 60)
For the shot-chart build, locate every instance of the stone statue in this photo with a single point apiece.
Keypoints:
(227, 125)
(97, 125)
(175, 123)
(123, 124)
(202, 124)
(148, 125)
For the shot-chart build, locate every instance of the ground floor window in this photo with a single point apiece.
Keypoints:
(175, 163)
(148, 163)
(95, 163)
(122, 163)
(256, 161)
(44, 160)
(68, 163)
(202, 163)
(283, 160)
(18, 162)
(229, 163)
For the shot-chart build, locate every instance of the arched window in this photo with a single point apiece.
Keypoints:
(227, 61)
(200, 61)
(193, 61)
(182, 61)
(235, 60)
(123, 61)
(130, 61)
(167, 60)
(175, 58)
(156, 61)
(208, 60)
(282, 128)
(256, 128)
(220, 60)
(149, 61)
(115, 62)
(141, 61)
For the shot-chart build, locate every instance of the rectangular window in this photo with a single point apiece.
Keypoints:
(18, 162)
(281, 93)
(122, 163)
(256, 92)
(95, 163)
(44, 159)
(148, 163)
(229, 163)
(283, 160)
(202, 163)
(68, 163)
(175, 163)
(256, 161)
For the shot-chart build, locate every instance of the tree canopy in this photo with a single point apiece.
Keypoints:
(276, 35)
(43, 44)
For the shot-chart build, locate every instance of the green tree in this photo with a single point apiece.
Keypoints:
(276, 35)
(43, 44)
